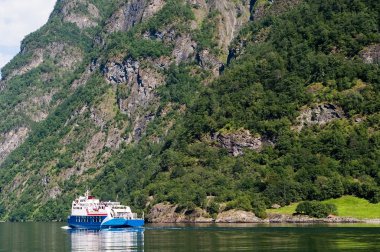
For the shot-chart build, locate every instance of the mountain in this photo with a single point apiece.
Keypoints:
(192, 107)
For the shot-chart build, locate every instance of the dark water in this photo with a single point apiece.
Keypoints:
(52, 237)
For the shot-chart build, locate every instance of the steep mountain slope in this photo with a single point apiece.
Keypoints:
(206, 105)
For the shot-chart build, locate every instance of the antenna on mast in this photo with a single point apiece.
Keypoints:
(87, 193)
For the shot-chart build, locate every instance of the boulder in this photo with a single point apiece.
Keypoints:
(237, 216)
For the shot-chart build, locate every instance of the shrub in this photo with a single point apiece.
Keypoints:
(213, 208)
(316, 209)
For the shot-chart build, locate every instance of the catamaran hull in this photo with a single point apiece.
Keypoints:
(101, 222)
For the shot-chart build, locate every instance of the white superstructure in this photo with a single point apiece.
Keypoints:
(88, 205)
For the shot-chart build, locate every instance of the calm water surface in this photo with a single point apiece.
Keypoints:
(235, 237)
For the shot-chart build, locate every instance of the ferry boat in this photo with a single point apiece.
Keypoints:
(90, 213)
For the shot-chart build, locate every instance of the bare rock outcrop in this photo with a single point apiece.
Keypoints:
(138, 84)
(36, 59)
(2, 84)
(320, 114)
(11, 140)
(167, 213)
(136, 95)
(261, 9)
(237, 216)
(208, 61)
(152, 8)
(130, 14)
(71, 14)
(82, 80)
(233, 15)
(184, 49)
(64, 56)
(285, 218)
(236, 141)
(37, 107)
(371, 54)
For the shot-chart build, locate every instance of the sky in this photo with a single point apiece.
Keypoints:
(18, 18)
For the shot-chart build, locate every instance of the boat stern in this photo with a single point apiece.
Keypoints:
(122, 223)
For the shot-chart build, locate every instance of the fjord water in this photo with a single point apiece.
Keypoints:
(235, 237)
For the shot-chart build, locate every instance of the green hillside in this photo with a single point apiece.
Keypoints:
(294, 116)
(348, 206)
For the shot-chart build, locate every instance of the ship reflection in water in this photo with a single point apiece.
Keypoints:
(107, 240)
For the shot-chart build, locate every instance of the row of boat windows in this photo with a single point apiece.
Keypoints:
(89, 219)
(75, 207)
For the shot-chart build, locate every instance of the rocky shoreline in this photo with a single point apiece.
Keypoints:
(166, 213)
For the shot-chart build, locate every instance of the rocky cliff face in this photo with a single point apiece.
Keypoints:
(127, 16)
(167, 213)
(11, 140)
(319, 115)
(101, 96)
(63, 67)
(371, 54)
(82, 13)
(235, 142)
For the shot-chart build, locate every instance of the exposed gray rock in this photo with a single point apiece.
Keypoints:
(233, 15)
(141, 83)
(167, 213)
(235, 142)
(261, 9)
(85, 76)
(88, 156)
(116, 72)
(152, 8)
(275, 206)
(54, 192)
(237, 216)
(37, 107)
(11, 140)
(82, 19)
(64, 56)
(36, 60)
(184, 49)
(284, 218)
(319, 115)
(127, 16)
(137, 97)
(2, 85)
(140, 125)
(210, 62)
(371, 54)
(162, 213)
(166, 35)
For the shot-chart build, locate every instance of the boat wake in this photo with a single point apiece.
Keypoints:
(66, 227)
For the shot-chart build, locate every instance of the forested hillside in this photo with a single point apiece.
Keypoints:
(203, 105)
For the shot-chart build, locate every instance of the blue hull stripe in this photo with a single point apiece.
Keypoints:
(98, 222)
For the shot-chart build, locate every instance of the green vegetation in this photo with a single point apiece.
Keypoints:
(206, 35)
(349, 206)
(181, 87)
(126, 43)
(175, 12)
(263, 91)
(346, 206)
(316, 209)
(310, 56)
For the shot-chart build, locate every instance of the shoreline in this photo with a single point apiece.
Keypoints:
(286, 220)
(166, 214)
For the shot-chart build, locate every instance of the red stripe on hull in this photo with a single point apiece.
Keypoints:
(89, 214)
